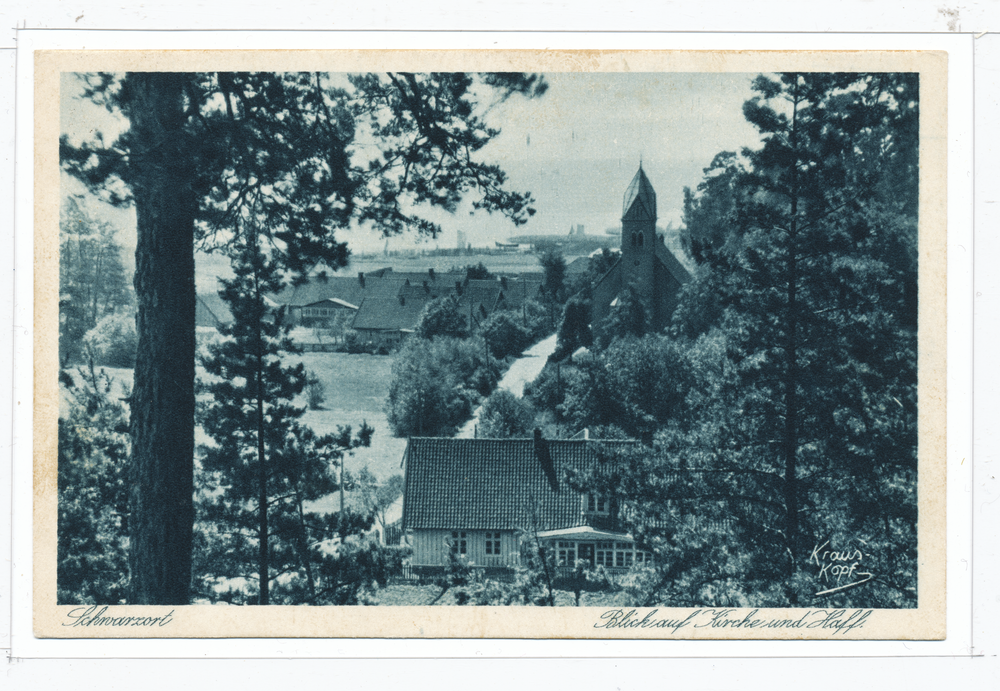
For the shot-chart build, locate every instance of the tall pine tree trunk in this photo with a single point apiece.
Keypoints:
(791, 383)
(162, 408)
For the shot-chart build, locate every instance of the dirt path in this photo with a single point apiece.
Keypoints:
(525, 369)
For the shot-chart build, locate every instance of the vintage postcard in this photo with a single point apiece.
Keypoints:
(490, 344)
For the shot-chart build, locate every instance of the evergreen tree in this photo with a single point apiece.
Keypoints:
(801, 426)
(264, 464)
(92, 279)
(574, 330)
(200, 148)
(92, 565)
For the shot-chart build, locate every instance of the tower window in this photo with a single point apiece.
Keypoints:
(640, 239)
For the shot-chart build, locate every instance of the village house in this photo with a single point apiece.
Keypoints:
(645, 262)
(477, 499)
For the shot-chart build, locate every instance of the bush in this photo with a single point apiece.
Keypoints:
(503, 336)
(113, 341)
(315, 392)
(442, 317)
(435, 383)
(504, 415)
(536, 319)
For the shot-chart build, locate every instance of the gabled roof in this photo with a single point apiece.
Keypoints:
(485, 292)
(496, 484)
(418, 277)
(348, 289)
(672, 264)
(520, 290)
(578, 266)
(389, 313)
(640, 199)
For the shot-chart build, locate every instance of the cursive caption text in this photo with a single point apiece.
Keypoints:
(91, 616)
(834, 621)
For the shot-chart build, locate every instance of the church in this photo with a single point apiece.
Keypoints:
(645, 261)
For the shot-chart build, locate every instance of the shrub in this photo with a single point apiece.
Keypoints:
(503, 336)
(434, 384)
(315, 392)
(113, 341)
(504, 415)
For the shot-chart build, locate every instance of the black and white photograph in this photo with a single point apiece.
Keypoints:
(660, 347)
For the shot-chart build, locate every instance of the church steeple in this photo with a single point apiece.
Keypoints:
(640, 199)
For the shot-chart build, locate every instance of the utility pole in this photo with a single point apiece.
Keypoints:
(340, 516)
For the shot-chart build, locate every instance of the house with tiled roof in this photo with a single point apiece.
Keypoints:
(477, 499)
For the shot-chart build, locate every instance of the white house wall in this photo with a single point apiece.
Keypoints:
(431, 548)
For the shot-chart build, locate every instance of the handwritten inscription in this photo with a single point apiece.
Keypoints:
(90, 616)
(835, 621)
(840, 569)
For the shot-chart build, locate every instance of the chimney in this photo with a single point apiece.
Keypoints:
(430, 272)
(361, 278)
(545, 459)
(458, 287)
(427, 288)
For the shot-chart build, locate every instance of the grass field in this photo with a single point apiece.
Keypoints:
(356, 386)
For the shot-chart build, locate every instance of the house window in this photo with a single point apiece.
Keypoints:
(493, 543)
(566, 555)
(597, 504)
(459, 543)
(605, 554)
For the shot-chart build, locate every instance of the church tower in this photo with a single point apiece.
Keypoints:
(645, 261)
(639, 235)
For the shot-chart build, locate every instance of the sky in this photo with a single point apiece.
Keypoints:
(575, 149)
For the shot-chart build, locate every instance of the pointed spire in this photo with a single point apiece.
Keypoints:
(640, 198)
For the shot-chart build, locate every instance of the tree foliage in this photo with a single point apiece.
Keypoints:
(264, 465)
(628, 316)
(504, 416)
(311, 154)
(554, 270)
(574, 329)
(442, 317)
(112, 342)
(92, 565)
(435, 384)
(92, 279)
(504, 336)
(800, 427)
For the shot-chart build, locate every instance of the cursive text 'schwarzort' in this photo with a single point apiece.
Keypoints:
(90, 616)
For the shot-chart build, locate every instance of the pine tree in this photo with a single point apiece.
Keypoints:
(264, 464)
(92, 565)
(800, 331)
(200, 148)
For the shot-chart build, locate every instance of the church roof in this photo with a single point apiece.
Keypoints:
(640, 199)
